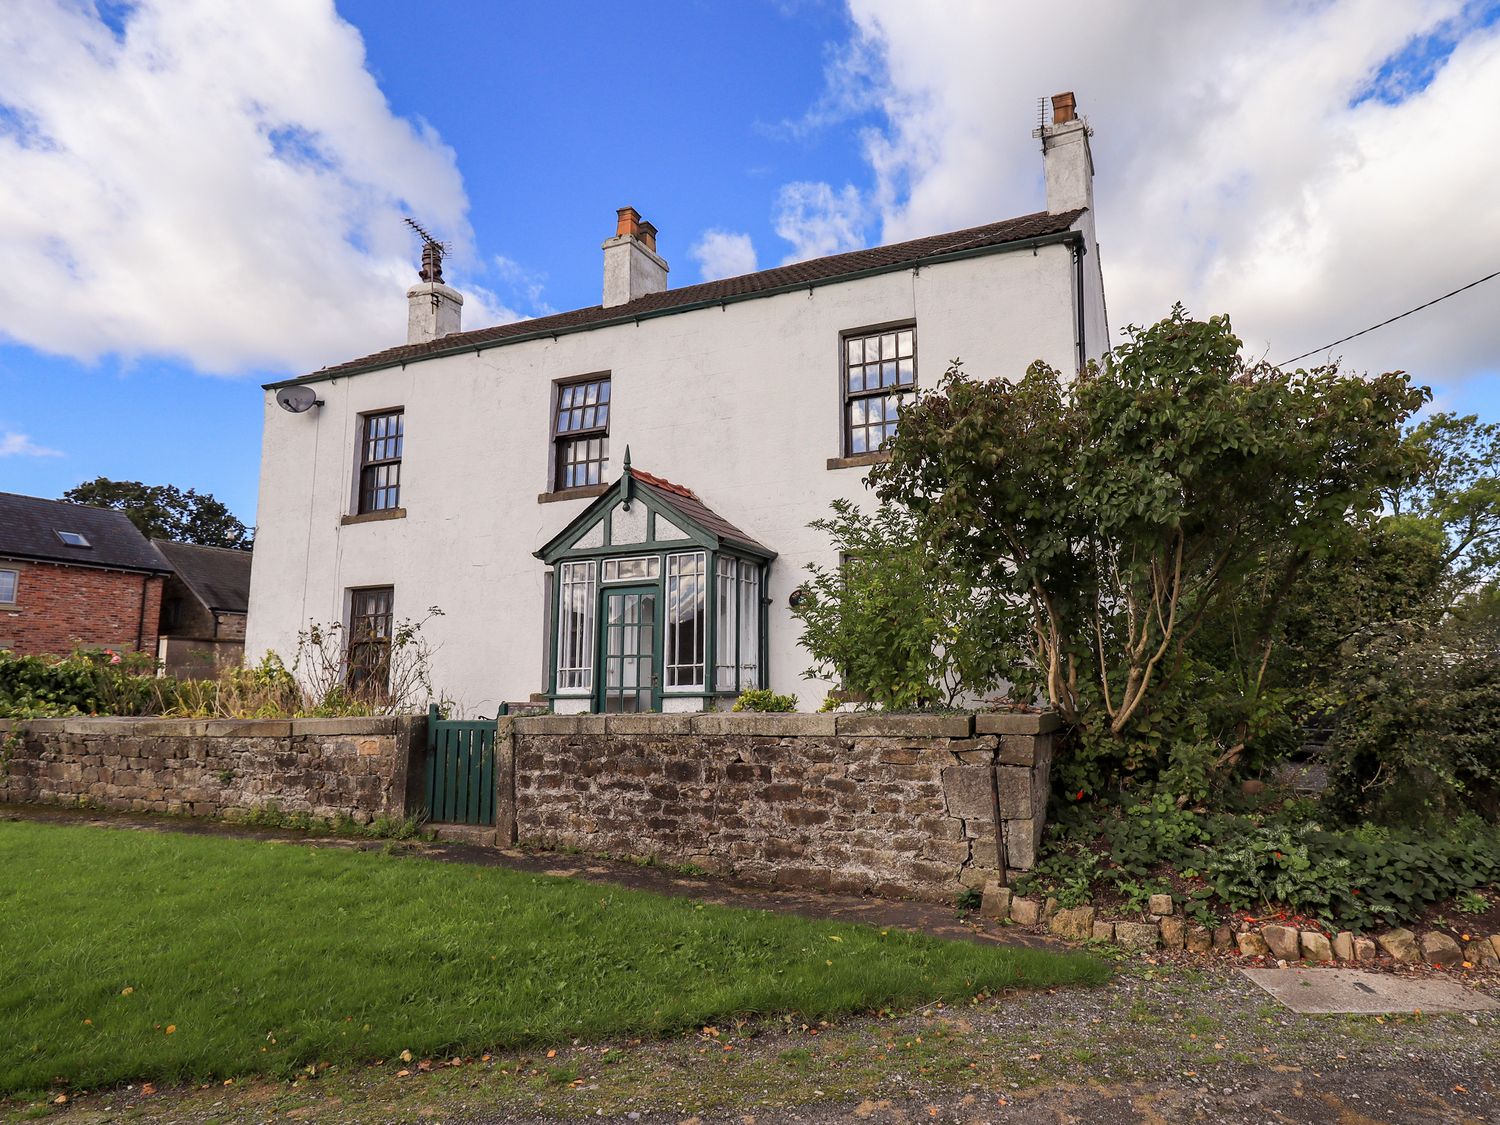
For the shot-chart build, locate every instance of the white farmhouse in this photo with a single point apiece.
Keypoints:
(611, 505)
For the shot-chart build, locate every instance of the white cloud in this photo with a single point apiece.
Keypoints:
(13, 444)
(221, 183)
(817, 220)
(722, 253)
(1241, 164)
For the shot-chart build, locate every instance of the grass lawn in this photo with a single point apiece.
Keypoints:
(143, 955)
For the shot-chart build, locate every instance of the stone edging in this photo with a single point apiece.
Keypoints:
(1165, 928)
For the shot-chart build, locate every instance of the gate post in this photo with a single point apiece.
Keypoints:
(505, 780)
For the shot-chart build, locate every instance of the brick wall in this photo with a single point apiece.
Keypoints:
(327, 768)
(894, 805)
(60, 607)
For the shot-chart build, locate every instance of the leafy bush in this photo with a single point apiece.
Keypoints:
(1356, 877)
(895, 623)
(89, 682)
(763, 699)
(1418, 736)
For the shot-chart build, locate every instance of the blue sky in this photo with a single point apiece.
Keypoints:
(181, 231)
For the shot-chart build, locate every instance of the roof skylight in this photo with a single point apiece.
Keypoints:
(74, 539)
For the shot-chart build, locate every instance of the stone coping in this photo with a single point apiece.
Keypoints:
(862, 724)
(148, 727)
(756, 723)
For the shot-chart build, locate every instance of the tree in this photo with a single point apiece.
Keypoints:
(895, 626)
(1126, 507)
(1458, 489)
(163, 511)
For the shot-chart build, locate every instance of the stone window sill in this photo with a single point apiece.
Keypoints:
(373, 517)
(588, 492)
(859, 460)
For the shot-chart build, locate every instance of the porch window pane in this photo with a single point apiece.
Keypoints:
(749, 631)
(686, 637)
(727, 599)
(577, 595)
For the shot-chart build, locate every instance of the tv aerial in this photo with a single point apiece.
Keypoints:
(432, 253)
(297, 399)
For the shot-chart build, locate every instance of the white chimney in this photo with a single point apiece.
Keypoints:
(432, 308)
(1069, 164)
(631, 265)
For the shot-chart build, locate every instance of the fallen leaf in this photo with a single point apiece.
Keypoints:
(402, 1073)
(552, 1054)
(61, 1099)
(171, 1029)
(126, 991)
(406, 1056)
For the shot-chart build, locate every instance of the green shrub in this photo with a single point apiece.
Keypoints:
(763, 699)
(1418, 738)
(89, 682)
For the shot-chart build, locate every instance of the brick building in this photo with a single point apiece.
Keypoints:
(73, 576)
(203, 608)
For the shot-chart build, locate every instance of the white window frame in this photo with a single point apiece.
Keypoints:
(14, 577)
(577, 592)
(679, 676)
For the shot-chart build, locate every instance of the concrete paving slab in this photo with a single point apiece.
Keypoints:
(1352, 992)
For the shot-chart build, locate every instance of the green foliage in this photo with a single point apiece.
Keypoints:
(1125, 509)
(1459, 493)
(1418, 736)
(763, 699)
(1287, 858)
(89, 682)
(895, 623)
(1472, 902)
(163, 511)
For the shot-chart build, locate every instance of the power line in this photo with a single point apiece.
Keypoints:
(1392, 320)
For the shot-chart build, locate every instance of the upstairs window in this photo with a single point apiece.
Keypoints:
(380, 461)
(369, 656)
(580, 433)
(9, 580)
(879, 367)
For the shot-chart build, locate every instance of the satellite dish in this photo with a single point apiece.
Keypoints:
(297, 400)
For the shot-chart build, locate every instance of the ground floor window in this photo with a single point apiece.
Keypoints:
(369, 657)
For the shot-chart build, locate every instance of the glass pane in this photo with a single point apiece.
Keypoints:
(604, 391)
(856, 352)
(888, 374)
(590, 393)
(906, 373)
(903, 343)
(567, 397)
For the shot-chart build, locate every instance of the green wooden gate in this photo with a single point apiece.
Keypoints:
(460, 770)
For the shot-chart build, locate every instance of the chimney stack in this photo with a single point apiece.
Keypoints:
(632, 268)
(1066, 158)
(432, 308)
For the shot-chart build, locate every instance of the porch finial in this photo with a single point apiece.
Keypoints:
(627, 491)
(627, 458)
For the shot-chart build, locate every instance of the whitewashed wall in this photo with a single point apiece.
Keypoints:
(740, 403)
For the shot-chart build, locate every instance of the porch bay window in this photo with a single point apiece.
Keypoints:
(658, 603)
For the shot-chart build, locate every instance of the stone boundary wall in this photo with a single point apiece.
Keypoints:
(897, 805)
(329, 768)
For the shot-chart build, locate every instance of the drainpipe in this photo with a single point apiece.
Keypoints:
(1079, 250)
(140, 625)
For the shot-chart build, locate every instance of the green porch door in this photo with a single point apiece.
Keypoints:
(629, 652)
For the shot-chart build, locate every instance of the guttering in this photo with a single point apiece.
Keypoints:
(119, 568)
(1060, 238)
